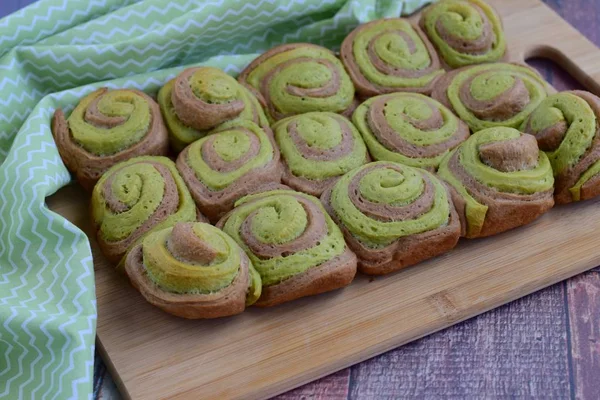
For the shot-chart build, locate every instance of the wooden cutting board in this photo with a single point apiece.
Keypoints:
(264, 352)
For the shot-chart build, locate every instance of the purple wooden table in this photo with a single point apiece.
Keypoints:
(546, 345)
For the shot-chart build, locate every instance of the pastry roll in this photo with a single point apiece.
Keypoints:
(137, 197)
(294, 245)
(500, 180)
(299, 78)
(566, 126)
(490, 95)
(199, 99)
(193, 270)
(393, 215)
(409, 128)
(228, 164)
(317, 148)
(465, 32)
(105, 128)
(390, 55)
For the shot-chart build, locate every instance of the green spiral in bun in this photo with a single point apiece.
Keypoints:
(495, 168)
(198, 260)
(284, 233)
(136, 197)
(390, 55)
(318, 148)
(108, 121)
(409, 128)
(206, 98)
(382, 202)
(299, 78)
(228, 164)
(566, 128)
(465, 32)
(492, 95)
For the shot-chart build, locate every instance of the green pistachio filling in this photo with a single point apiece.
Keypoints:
(279, 220)
(393, 49)
(116, 103)
(213, 86)
(140, 186)
(495, 79)
(320, 130)
(396, 111)
(394, 188)
(525, 182)
(230, 143)
(462, 19)
(306, 74)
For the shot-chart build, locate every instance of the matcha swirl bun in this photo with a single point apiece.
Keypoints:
(317, 148)
(193, 270)
(491, 95)
(105, 128)
(293, 244)
(201, 98)
(567, 127)
(465, 32)
(390, 55)
(137, 197)
(500, 180)
(393, 215)
(409, 128)
(299, 78)
(228, 164)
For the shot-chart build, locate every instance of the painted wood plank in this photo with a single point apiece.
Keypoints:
(516, 351)
(582, 14)
(332, 387)
(584, 315)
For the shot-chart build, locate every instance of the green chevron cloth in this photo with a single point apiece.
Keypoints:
(54, 52)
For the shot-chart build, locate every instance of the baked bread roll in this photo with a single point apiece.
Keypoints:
(136, 197)
(105, 128)
(393, 215)
(499, 179)
(199, 99)
(566, 126)
(298, 78)
(293, 244)
(228, 164)
(390, 55)
(491, 95)
(193, 270)
(317, 148)
(465, 32)
(409, 128)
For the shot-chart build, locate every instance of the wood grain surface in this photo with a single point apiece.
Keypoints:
(546, 345)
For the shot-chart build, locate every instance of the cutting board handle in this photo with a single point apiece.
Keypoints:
(582, 65)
